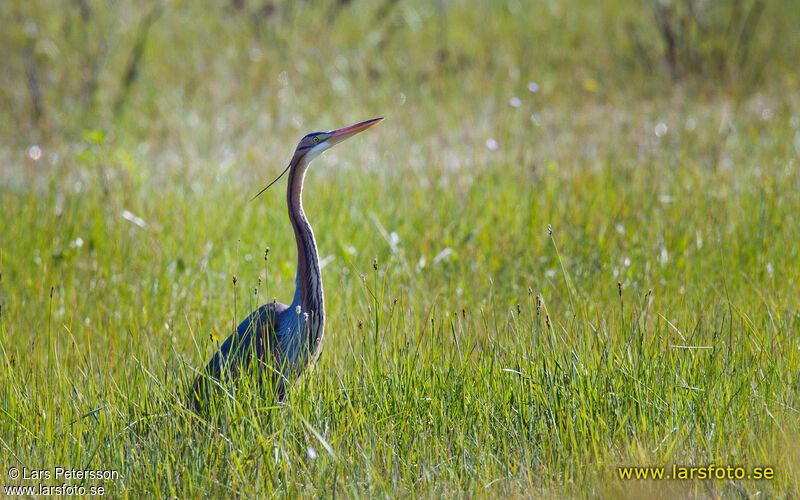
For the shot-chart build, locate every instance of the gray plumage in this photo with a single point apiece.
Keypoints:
(284, 339)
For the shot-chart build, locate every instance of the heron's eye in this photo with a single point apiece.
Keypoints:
(316, 139)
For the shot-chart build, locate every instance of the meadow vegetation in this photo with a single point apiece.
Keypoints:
(585, 259)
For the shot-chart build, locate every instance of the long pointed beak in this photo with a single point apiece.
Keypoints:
(338, 136)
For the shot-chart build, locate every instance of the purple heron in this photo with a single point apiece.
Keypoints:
(287, 336)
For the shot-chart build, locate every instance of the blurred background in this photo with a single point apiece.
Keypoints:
(603, 118)
(132, 135)
(203, 77)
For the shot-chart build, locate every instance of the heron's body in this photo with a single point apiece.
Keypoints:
(287, 336)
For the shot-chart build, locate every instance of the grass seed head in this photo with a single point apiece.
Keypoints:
(375, 263)
(234, 280)
(266, 253)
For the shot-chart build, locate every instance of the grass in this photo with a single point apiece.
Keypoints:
(485, 356)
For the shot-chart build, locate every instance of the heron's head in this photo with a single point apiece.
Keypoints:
(316, 143)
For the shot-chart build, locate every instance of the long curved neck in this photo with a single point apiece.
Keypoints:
(308, 292)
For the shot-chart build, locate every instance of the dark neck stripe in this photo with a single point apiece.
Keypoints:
(306, 245)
